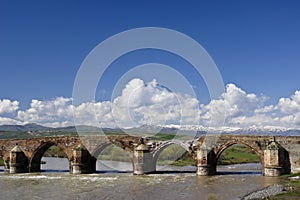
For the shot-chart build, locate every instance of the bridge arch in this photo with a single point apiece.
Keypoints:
(254, 148)
(101, 149)
(165, 145)
(35, 160)
(97, 151)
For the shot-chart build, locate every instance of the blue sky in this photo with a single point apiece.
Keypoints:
(255, 44)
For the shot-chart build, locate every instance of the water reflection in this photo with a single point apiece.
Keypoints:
(240, 169)
(55, 165)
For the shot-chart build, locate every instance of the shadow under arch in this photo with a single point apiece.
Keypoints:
(284, 159)
(112, 163)
(168, 144)
(35, 161)
(254, 149)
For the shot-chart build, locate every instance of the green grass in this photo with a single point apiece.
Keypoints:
(238, 154)
(163, 136)
(184, 162)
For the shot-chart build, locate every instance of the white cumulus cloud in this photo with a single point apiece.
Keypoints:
(149, 103)
(139, 103)
(11, 121)
(58, 111)
(8, 106)
(290, 108)
(233, 104)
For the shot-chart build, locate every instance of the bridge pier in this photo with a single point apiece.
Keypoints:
(18, 162)
(205, 162)
(82, 162)
(143, 162)
(272, 165)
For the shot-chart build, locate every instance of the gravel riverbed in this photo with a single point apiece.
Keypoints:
(266, 192)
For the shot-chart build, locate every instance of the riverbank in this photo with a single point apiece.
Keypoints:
(266, 192)
(288, 191)
(291, 188)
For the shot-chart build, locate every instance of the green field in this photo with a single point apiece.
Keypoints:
(238, 154)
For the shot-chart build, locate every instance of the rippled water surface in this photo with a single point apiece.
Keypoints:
(233, 182)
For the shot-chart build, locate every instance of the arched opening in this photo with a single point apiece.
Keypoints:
(49, 158)
(174, 158)
(111, 158)
(238, 159)
(285, 161)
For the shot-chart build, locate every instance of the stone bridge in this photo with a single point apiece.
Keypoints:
(278, 155)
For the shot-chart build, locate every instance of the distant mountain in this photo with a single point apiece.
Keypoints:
(152, 129)
(267, 130)
(24, 128)
(38, 128)
(196, 130)
(82, 128)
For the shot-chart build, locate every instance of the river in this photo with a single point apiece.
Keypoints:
(114, 180)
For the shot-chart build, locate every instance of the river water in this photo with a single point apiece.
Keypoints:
(114, 180)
